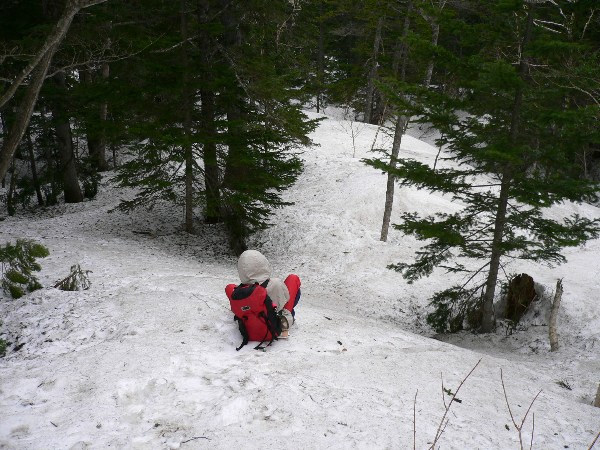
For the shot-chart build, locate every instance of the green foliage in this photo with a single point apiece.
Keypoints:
(3, 346)
(18, 264)
(510, 154)
(77, 280)
(454, 309)
(16, 277)
(14, 290)
(233, 88)
(90, 178)
(23, 193)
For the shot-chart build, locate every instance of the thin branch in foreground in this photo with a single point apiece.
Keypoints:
(594, 442)
(444, 422)
(519, 427)
(415, 421)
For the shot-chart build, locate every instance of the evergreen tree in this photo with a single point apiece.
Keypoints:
(513, 140)
(223, 109)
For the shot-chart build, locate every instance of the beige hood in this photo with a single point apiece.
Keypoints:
(253, 267)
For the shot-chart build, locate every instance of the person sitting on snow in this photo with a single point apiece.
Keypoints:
(254, 268)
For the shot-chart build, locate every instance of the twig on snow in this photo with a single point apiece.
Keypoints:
(195, 438)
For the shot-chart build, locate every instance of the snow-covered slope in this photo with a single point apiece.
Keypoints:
(146, 358)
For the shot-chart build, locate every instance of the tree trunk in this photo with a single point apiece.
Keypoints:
(211, 166)
(399, 64)
(399, 131)
(435, 34)
(320, 59)
(488, 322)
(400, 60)
(236, 174)
(373, 72)
(4, 132)
(44, 55)
(597, 400)
(96, 139)
(235, 177)
(553, 335)
(187, 105)
(39, 67)
(27, 104)
(212, 213)
(71, 188)
(10, 207)
(34, 174)
(100, 153)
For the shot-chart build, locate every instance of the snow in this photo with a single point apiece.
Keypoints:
(146, 358)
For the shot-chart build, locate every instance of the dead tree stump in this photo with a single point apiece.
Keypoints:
(553, 335)
(521, 292)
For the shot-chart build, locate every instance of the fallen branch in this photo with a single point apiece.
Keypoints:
(77, 280)
(195, 438)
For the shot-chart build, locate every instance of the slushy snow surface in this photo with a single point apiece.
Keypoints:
(146, 359)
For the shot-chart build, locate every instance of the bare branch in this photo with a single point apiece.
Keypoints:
(587, 23)
(444, 422)
(415, 421)
(532, 430)
(594, 442)
(50, 45)
(39, 65)
(519, 427)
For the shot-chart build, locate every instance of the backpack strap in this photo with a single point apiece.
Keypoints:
(269, 329)
(243, 331)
